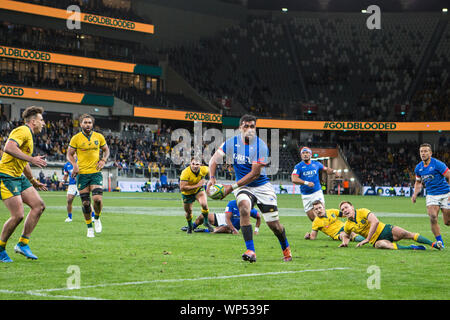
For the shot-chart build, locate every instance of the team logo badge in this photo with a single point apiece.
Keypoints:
(96, 142)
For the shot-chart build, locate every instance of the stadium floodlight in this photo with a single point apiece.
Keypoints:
(284, 9)
(364, 11)
(345, 170)
(352, 179)
(445, 10)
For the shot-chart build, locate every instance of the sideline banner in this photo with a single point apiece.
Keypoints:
(84, 17)
(386, 191)
(57, 58)
(353, 125)
(55, 95)
(177, 115)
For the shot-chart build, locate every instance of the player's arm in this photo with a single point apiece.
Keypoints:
(105, 151)
(36, 183)
(329, 170)
(345, 237)
(215, 159)
(185, 186)
(296, 180)
(12, 148)
(373, 227)
(248, 178)
(229, 224)
(417, 189)
(258, 223)
(311, 235)
(71, 158)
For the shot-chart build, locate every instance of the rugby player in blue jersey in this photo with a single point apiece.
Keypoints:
(433, 174)
(227, 222)
(306, 174)
(249, 156)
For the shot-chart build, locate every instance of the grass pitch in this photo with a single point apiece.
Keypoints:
(142, 254)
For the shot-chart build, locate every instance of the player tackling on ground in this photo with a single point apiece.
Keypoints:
(18, 185)
(249, 155)
(87, 145)
(432, 173)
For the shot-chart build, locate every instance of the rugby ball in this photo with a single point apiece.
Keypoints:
(216, 191)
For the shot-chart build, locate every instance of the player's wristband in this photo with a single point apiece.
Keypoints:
(234, 186)
(212, 177)
(305, 183)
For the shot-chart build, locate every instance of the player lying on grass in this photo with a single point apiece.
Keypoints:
(327, 221)
(228, 222)
(380, 235)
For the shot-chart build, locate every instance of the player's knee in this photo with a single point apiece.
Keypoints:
(433, 219)
(41, 207)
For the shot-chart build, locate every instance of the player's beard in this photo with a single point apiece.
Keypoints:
(87, 130)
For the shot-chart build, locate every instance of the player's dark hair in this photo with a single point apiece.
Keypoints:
(317, 202)
(426, 145)
(86, 115)
(197, 158)
(31, 112)
(246, 118)
(342, 202)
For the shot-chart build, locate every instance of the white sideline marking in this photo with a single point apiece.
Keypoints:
(176, 211)
(188, 279)
(35, 293)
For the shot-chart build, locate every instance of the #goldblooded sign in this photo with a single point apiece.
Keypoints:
(84, 17)
(40, 94)
(177, 115)
(353, 125)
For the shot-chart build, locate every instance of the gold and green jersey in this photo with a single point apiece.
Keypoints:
(361, 225)
(88, 150)
(193, 178)
(10, 165)
(329, 224)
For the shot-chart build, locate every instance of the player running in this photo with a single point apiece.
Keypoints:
(327, 221)
(306, 174)
(87, 145)
(250, 155)
(433, 173)
(72, 190)
(227, 222)
(17, 185)
(380, 235)
(191, 187)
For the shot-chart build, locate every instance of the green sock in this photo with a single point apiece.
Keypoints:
(420, 239)
(2, 246)
(358, 238)
(205, 214)
(399, 247)
(190, 224)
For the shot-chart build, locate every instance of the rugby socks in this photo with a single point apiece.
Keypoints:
(247, 233)
(418, 238)
(23, 241)
(93, 214)
(97, 216)
(2, 246)
(189, 221)
(282, 239)
(439, 238)
(399, 247)
(358, 238)
(205, 214)
(89, 223)
(69, 215)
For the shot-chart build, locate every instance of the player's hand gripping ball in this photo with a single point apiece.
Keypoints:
(216, 191)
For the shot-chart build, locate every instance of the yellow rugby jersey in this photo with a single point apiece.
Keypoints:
(24, 138)
(88, 150)
(330, 224)
(192, 178)
(361, 225)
